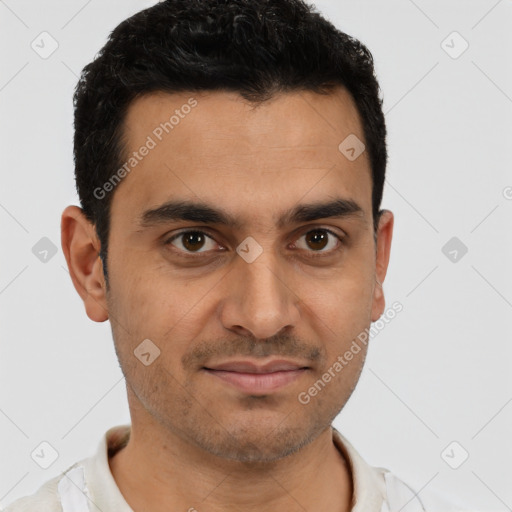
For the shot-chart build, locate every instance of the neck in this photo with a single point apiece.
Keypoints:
(159, 470)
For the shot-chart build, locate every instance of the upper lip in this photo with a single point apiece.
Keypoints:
(247, 366)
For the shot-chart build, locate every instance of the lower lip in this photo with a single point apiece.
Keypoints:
(258, 382)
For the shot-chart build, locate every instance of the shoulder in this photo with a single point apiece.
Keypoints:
(67, 491)
(75, 487)
(63, 492)
(401, 496)
(378, 489)
(45, 499)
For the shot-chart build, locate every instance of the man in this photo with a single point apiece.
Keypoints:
(230, 159)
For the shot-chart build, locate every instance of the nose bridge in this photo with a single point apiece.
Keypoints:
(263, 286)
(259, 300)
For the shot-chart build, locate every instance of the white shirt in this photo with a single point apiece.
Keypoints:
(90, 482)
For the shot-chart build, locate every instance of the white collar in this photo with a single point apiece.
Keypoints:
(92, 477)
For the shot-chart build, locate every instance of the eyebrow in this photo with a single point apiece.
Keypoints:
(204, 213)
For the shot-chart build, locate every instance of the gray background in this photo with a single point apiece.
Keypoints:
(438, 373)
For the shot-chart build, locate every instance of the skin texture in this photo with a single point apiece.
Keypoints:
(196, 440)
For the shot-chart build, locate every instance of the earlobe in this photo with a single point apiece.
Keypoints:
(384, 236)
(81, 248)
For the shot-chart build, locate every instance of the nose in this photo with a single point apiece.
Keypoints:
(259, 301)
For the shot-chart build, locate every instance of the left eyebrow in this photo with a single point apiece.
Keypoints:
(336, 209)
(204, 213)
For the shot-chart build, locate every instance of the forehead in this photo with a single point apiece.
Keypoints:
(216, 147)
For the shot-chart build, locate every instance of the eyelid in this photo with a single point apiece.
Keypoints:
(202, 231)
(323, 228)
(304, 231)
(318, 254)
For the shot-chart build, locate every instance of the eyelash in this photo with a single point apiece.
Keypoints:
(314, 254)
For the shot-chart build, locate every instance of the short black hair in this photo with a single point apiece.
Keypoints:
(256, 48)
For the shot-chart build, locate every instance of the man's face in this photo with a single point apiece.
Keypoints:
(293, 291)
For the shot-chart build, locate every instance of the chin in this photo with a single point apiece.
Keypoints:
(254, 441)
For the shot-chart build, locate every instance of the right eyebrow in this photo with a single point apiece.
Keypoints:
(173, 211)
(204, 213)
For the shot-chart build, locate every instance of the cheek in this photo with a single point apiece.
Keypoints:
(343, 303)
(341, 316)
(142, 295)
(158, 308)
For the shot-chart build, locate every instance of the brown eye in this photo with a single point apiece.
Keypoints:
(193, 241)
(190, 241)
(317, 240)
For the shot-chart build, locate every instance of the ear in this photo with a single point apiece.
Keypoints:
(384, 236)
(81, 248)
